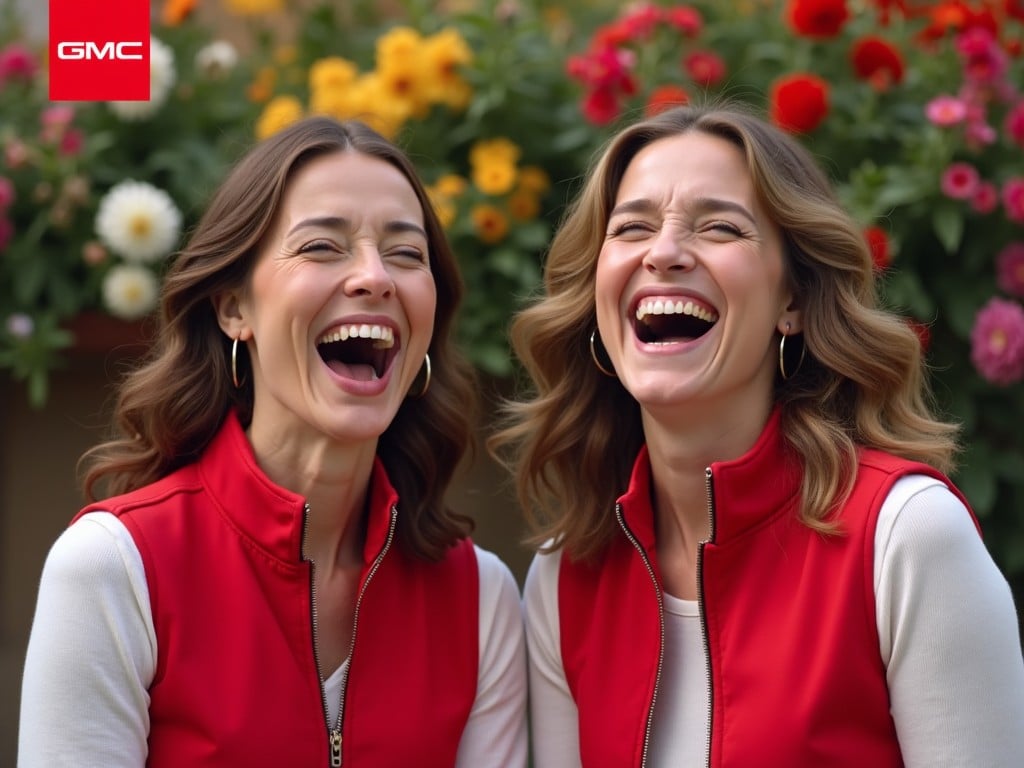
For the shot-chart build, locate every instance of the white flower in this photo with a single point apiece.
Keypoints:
(161, 80)
(138, 221)
(130, 291)
(216, 59)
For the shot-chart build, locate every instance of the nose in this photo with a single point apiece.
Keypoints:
(369, 275)
(670, 250)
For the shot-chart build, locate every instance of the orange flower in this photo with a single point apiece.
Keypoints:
(490, 223)
(665, 97)
(176, 11)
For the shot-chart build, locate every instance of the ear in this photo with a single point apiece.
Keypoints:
(791, 320)
(228, 307)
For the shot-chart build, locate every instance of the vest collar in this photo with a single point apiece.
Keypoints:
(745, 491)
(269, 515)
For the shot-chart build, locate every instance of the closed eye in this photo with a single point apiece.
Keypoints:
(627, 227)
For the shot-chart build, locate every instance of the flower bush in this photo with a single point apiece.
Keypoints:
(95, 196)
(913, 106)
(916, 111)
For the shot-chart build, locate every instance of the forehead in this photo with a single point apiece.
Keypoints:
(350, 182)
(692, 161)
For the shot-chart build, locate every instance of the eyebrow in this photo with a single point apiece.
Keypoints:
(340, 222)
(701, 205)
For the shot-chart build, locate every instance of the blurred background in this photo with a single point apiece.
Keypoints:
(914, 109)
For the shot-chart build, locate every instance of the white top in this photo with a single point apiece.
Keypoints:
(948, 636)
(92, 654)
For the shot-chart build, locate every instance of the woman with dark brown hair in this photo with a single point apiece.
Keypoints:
(273, 577)
(751, 555)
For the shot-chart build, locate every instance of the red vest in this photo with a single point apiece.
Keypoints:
(796, 676)
(236, 682)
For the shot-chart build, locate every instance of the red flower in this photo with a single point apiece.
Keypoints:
(601, 106)
(817, 18)
(799, 102)
(684, 18)
(704, 67)
(1014, 9)
(641, 22)
(877, 61)
(878, 242)
(924, 333)
(665, 97)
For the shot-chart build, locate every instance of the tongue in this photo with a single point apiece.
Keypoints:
(356, 371)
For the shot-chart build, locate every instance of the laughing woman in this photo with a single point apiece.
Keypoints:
(752, 555)
(276, 580)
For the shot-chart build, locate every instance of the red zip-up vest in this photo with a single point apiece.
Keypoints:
(236, 682)
(796, 675)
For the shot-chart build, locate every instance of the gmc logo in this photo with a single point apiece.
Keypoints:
(92, 51)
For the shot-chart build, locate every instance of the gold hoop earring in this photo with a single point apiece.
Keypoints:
(782, 358)
(234, 364)
(426, 378)
(594, 340)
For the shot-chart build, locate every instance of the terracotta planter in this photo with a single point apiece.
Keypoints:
(97, 333)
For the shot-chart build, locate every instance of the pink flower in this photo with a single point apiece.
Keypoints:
(1013, 198)
(6, 193)
(986, 198)
(979, 134)
(71, 142)
(17, 63)
(960, 181)
(16, 153)
(1010, 269)
(945, 111)
(1015, 123)
(997, 342)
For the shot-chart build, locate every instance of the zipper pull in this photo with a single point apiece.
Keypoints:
(335, 748)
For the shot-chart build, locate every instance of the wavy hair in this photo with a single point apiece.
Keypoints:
(572, 443)
(171, 405)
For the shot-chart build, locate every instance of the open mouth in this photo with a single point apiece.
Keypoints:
(667, 321)
(359, 352)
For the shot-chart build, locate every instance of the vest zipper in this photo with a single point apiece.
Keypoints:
(709, 487)
(334, 733)
(661, 620)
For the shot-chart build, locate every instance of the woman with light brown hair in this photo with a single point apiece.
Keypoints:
(750, 553)
(274, 577)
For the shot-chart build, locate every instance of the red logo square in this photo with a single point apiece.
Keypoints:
(99, 50)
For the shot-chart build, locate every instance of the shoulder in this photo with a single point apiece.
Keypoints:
(93, 550)
(541, 587)
(496, 578)
(924, 518)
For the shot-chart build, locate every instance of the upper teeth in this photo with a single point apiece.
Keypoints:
(663, 307)
(383, 336)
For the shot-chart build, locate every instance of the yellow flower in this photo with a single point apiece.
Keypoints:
(443, 206)
(534, 179)
(450, 185)
(490, 223)
(332, 73)
(280, 112)
(370, 103)
(286, 54)
(443, 54)
(523, 204)
(253, 7)
(494, 176)
(494, 150)
(400, 68)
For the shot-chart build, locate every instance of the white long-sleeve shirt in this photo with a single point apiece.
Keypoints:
(93, 651)
(948, 635)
